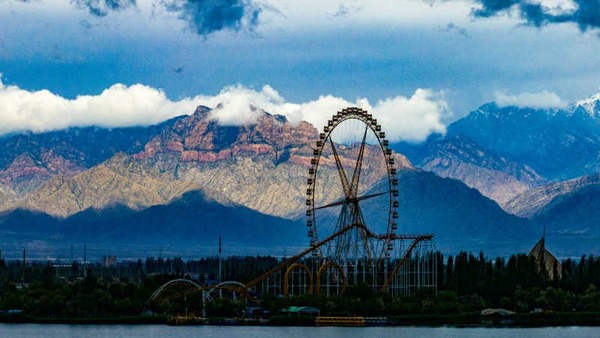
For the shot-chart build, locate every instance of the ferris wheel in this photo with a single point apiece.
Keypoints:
(352, 189)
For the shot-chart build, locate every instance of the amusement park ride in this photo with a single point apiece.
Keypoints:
(349, 245)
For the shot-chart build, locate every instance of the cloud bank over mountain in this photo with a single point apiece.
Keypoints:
(543, 99)
(117, 106)
(405, 118)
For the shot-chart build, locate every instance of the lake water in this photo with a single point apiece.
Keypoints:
(151, 331)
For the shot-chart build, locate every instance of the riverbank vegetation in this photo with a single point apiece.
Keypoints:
(467, 283)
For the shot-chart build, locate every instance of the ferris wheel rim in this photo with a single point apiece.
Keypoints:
(353, 113)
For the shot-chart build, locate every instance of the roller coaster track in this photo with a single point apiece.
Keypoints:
(229, 286)
(404, 258)
(260, 278)
(180, 281)
(297, 257)
(209, 289)
(244, 288)
(416, 239)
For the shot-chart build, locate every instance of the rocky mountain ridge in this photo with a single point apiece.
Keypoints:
(533, 202)
(590, 104)
(557, 144)
(505, 151)
(262, 166)
(459, 158)
(28, 160)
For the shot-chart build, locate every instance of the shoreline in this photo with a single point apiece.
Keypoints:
(466, 320)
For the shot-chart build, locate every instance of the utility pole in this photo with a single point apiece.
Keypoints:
(84, 260)
(220, 265)
(203, 303)
(220, 258)
(23, 268)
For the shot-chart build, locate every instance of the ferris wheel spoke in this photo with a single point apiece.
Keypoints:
(350, 200)
(358, 167)
(340, 168)
(366, 197)
(334, 204)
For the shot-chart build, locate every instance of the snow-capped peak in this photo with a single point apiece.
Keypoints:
(590, 104)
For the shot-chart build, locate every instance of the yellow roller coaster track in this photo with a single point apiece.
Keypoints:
(286, 277)
(404, 258)
(243, 288)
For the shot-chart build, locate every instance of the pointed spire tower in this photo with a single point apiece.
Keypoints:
(544, 259)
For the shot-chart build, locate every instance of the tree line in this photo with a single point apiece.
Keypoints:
(466, 282)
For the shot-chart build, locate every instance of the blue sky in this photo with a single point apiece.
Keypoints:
(420, 64)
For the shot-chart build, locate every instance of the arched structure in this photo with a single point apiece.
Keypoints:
(302, 283)
(181, 286)
(231, 286)
(335, 279)
(175, 288)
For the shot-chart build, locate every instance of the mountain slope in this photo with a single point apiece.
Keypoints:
(455, 156)
(118, 181)
(574, 214)
(572, 221)
(7, 197)
(535, 201)
(504, 151)
(557, 144)
(29, 160)
(459, 216)
(187, 224)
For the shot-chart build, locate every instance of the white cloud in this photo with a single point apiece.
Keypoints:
(117, 106)
(234, 105)
(544, 99)
(403, 118)
(414, 118)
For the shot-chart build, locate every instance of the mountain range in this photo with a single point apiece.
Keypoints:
(506, 151)
(491, 183)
